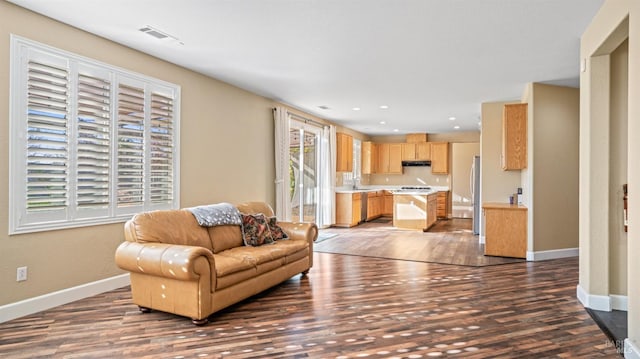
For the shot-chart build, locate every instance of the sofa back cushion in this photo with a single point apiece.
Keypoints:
(225, 237)
(177, 226)
(255, 207)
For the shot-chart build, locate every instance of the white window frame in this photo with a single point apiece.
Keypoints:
(22, 220)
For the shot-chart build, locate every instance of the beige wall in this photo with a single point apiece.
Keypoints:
(416, 176)
(608, 30)
(555, 163)
(226, 155)
(496, 185)
(618, 168)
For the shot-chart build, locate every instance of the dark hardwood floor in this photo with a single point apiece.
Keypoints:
(347, 307)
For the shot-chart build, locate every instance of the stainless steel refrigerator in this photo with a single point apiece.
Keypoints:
(475, 193)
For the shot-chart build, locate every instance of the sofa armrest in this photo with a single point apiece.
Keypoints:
(300, 231)
(166, 260)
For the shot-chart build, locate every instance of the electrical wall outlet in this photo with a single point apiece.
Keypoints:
(21, 274)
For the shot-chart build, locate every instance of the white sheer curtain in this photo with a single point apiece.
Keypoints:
(327, 177)
(283, 204)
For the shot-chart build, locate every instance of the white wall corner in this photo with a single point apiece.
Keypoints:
(54, 299)
(619, 302)
(552, 254)
(631, 349)
(482, 240)
(592, 301)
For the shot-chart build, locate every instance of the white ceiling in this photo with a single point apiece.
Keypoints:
(427, 60)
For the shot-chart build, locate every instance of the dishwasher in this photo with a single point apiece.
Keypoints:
(363, 207)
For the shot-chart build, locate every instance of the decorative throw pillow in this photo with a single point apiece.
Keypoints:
(255, 230)
(276, 231)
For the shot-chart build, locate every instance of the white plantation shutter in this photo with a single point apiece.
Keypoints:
(90, 143)
(94, 142)
(47, 144)
(161, 149)
(130, 157)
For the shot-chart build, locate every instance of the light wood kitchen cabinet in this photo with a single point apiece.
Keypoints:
(348, 209)
(408, 151)
(416, 151)
(505, 230)
(443, 204)
(416, 137)
(344, 152)
(423, 151)
(390, 158)
(388, 204)
(514, 137)
(440, 157)
(373, 205)
(369, 158)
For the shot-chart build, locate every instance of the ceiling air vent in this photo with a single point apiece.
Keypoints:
(160, 35)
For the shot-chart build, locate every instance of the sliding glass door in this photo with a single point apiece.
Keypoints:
(304, 159)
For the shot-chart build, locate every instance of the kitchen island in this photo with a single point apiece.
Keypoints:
(365, 203)
(415, 210)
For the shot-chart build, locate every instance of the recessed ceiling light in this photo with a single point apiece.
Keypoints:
(323, 107)
(452, 118)
(384, 107)
(383, 123)
(456, 127)
(395, 130)
(356, 108)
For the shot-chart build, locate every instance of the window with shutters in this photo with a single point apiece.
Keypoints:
(90, 143)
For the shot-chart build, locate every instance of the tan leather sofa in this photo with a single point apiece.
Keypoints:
(180, 267)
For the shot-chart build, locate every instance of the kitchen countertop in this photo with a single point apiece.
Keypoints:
(500, 205)
(374, 188)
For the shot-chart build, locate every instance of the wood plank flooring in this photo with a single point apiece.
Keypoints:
(447, 242)
(347, 307)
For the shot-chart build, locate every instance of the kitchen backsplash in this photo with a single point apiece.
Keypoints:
(420, 176)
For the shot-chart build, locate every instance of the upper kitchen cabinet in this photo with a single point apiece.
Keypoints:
(440, 157)
(416, 151)
(344, 152)
(514, 137)
(369, 158)
(423, 151)
(409, 151)
(416, 137)
(390, 158)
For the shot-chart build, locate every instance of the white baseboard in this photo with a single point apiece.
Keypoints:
(54, 299)
(592, 301)
(482, 240)
(631, 350)
(619, 302)
(552, 254)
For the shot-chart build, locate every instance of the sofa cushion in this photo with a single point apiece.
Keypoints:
(256, 255)
(226, 265)
(277, 233)
(255, 207)
(225, 237)
(291, 247)
(177, 226)
(255, 230)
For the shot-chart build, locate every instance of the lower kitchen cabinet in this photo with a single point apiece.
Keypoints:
(387, 204)
(443, 202)
(348, 209)
(505, 230)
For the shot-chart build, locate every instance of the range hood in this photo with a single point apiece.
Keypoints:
(416, 163)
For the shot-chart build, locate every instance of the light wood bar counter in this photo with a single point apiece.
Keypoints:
(505, 230)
